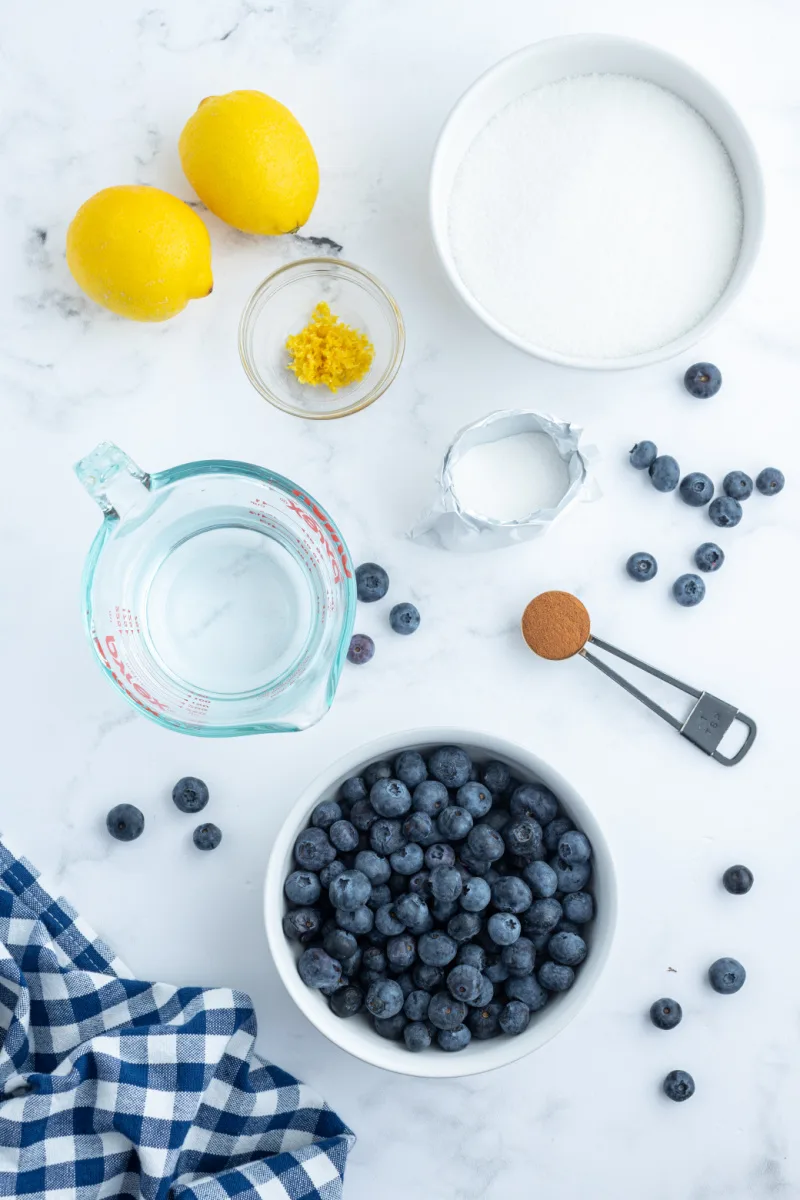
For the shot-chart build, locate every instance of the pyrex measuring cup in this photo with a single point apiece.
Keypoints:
(218, 595)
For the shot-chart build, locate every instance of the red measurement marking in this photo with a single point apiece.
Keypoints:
(314, 526)
(122, 676)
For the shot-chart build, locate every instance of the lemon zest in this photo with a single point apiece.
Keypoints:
(329, 352)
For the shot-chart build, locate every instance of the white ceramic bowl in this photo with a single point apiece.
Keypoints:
(583, 54)
(355, 1034)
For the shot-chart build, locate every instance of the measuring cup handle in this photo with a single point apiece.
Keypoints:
(112, 479)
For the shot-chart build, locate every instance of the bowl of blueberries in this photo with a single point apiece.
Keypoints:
(440, 903)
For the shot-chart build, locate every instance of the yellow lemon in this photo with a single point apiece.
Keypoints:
(250, 162)
(140, 252)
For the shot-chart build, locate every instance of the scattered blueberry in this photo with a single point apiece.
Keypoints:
(770, 481)
(125, 822)
(416, 1036)
(696, 489)
(688, 590)
(454, 1039)
(664, 473)
(372, 582)
(702, 380)
(190, 795)
(643, 454)
(725, 512)
(303, 887)
(555, 977)
(404, 618)
(361, 649)
(317, 969)
(666, 1013)
(642, 566)
(679, 1086)
(709, 557)
(737, 485)
(737, 880)
(726, 976)
(347, 1001)
(207, 836)
(515, 1018)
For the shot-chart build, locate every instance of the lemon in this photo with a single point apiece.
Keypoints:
(250, 162)
(140, 252)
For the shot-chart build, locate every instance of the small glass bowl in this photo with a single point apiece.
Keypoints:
(283, 304)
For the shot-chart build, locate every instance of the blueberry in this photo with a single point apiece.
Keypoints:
(726, 976)
(416, 1005)
(454, 1039)
(374, 866)
(679, 1086)
(464, 983)
(770, 481)
(363, 815)
(440, 854)
(485, 1022)
(347, 1001)
(190, 795)
(519, 957)
(416, 1036)
(381, 896)
(398, 885)
(445, 1012)
(125, 822)
(446, 883)
(540, 878)
(553, 832)
(696, 489)
(302, 887)
(450, 765)
(404, 618)
(312, 849)
(511, 894)
(391, 1028)
(410, 768)
(543, 915)
(555, 977)
(329, 872)
(471, 955)
(643, 454)
(354, 789)
(427, 976)
(325, 814)
(352, 965)
(708, 557)
(419, 884)
(340, 944)
(407, 861)
(737, 485)
(207, 836)
(390, 798)
(384, 998)
(642, 566)
(664, 473)
(475, 798)
(534, 800)
(454, 823)
(443, 910)
(372, 582)
(350, 890)
(574, 847)
(413, 912)
(317, 969)
(476, 895)
(688, 590)
(463, 926)
(578, 907)
(523, 837)
(567, 926)
(376, 771)
(430, 797)
(725, 512)
(361, 649)
(485, 995)
(386, 836)
(527, 989)
(420, 828)
(496, 971)
(737, 880)
(567, 948)
(344, 835)
(357, 921)
(374, 962)
(702, 380)
(504, 928)
(401, 951)
(483, 842)
(301, 924)
(666, 1013)
(469, 864)
(387, 921)
(496, 777)
(515, 1018)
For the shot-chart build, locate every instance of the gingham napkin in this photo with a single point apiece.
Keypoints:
(114, 1087)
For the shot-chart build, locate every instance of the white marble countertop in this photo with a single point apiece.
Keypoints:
(97, 95)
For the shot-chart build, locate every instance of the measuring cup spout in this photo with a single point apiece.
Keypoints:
(112, 479)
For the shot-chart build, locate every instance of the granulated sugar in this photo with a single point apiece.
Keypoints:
(511, 478)
(599, 216)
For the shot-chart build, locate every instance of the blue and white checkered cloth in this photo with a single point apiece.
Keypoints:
(114, 1087)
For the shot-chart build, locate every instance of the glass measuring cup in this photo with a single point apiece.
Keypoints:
(218, 595)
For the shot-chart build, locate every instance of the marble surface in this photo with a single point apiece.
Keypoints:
(96, 95)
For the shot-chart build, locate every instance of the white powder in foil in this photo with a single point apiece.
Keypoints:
(599, 216)
(509, 479)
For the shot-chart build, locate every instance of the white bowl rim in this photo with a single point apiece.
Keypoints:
(498, 1052)
(754, 219)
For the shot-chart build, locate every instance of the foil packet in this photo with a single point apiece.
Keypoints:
(449, 525)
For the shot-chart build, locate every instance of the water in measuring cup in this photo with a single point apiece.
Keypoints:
(228, 610)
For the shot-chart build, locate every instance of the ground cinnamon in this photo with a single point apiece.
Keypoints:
(555, 625)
